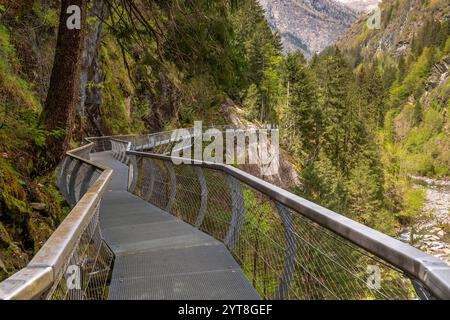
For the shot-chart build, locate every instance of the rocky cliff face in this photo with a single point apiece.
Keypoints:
(92, 74)
(308, 25)
(400, 22)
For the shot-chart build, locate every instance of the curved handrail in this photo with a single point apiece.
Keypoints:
(40, 274)
(429, 270)
(43, 270)
(48, 264)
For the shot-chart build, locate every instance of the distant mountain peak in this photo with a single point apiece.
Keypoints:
(360, 5)
(308, 25)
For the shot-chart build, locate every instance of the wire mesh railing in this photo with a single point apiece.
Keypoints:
(75, 262)
(87, 270)
(287, 247)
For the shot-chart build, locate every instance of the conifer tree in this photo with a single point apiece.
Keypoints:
(303, 112)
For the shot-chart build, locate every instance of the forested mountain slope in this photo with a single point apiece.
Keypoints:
(404, 68)
(411, 55)
(364, 116)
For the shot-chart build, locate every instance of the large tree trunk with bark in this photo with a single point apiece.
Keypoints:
(64, 90)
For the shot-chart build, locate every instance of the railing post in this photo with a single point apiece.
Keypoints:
(173, 185)
(123, 155)
(87, 178)
(73, 178)
(62, 176)
(151, 166)
(150, 143)
(204, 196)
(114, 149)
(132, 173)
(126, 158)
(65, 170)
(291, 250)
(237, 211)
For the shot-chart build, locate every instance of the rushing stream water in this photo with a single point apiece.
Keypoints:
(431, 234)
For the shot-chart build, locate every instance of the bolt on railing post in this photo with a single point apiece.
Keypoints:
(291, 250)
(237, 212)
(204, 196)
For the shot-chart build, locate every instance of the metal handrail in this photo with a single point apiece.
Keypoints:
(40, 274)
(429, 270)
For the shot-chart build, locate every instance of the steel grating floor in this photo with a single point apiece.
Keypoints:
(159, 256)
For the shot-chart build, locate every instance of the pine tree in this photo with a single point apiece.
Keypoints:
(260, 56)
(372, 92)
(417, 114)
(303, 113)
(340, 120)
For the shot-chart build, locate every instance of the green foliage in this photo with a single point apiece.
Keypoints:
(49, 17)
(344, 133)
(302, 114)
(324, 184)
(252, 102)
(414, 81)
(259, 58)
(413, 204)
(117, 91)
(13, 88)
(418, 114)
(22, 230)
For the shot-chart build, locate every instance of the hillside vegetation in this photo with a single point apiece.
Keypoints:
(410, 54)
(404, 67)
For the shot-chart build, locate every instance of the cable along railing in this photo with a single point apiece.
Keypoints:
(288, 247)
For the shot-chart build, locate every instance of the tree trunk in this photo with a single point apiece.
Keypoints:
(64, 90)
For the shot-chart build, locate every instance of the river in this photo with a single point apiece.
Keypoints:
(432, 232)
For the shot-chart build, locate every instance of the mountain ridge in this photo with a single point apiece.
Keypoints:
(308, 25)
(360, 5)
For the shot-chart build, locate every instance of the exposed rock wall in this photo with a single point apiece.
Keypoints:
(308, 25)
(92, 74)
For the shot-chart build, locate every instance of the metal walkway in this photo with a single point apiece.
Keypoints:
(158, 256)
(221, 233)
